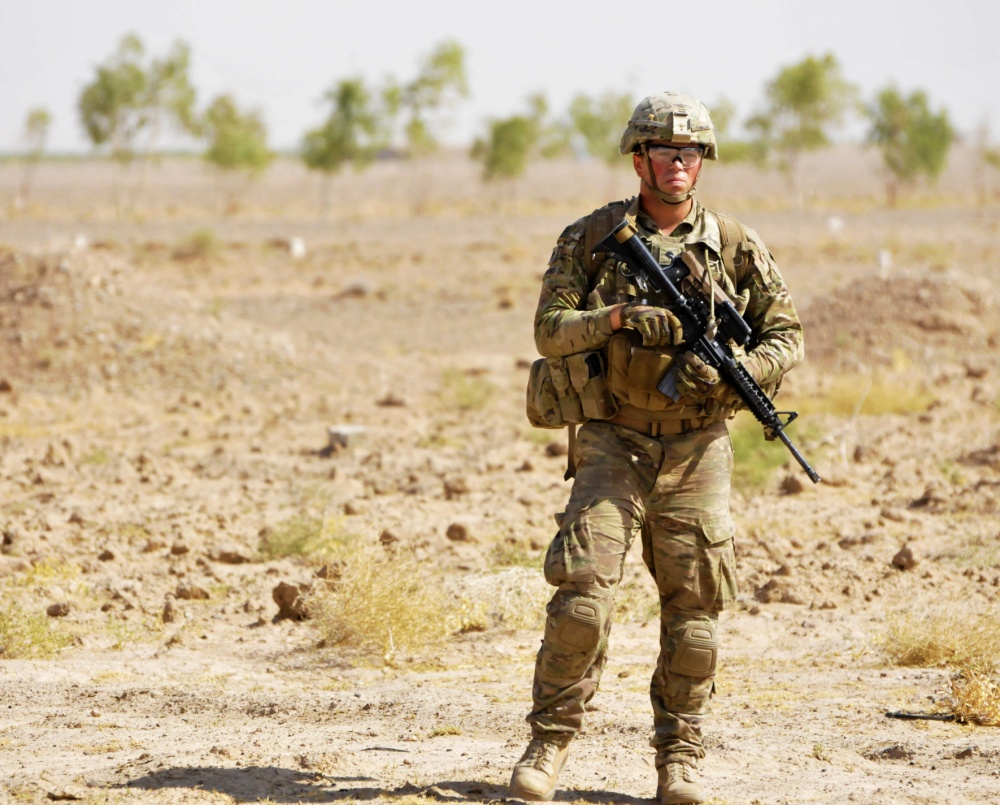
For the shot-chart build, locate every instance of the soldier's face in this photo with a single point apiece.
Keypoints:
(671, 176)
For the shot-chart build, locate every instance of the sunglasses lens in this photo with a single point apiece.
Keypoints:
(664, 154)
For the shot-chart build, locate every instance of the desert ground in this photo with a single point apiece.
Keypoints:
(216, 398)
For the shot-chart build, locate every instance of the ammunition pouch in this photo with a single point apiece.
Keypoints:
(635, 370)
(570, 390)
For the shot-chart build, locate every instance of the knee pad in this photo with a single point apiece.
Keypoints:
(697, 649)
(576, 627)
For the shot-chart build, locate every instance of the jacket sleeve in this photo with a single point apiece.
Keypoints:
(776, 344)
(563, 325)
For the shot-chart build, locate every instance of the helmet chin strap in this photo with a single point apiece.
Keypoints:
(666, 198)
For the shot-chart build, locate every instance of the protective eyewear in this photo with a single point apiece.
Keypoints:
(665, 155)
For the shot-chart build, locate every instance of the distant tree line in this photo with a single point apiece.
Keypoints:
(133, 98)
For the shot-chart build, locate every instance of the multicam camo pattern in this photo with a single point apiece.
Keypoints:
(570, 318)
(671, 117)
(674, 492)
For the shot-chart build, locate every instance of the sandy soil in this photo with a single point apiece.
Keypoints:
(159, 412)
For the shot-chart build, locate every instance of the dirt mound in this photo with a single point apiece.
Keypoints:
(74, 322)
(939, 317)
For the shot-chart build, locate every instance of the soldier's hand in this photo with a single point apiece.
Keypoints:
(657, 326)
(696, 380)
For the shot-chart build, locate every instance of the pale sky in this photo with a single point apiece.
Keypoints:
(280, 57)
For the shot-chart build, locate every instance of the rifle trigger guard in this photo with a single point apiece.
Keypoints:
(623, 269)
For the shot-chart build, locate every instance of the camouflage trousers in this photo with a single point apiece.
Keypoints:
(673, 490)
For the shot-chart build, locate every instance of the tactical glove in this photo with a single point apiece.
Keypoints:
(657, 326)
(696, 380)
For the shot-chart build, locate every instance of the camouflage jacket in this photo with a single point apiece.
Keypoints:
(573, 313)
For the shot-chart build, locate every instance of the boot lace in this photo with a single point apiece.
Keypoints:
(540, 755)
(680, 773)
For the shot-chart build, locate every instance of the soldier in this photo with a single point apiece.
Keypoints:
(653, 466)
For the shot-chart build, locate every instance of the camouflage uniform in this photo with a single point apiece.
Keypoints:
(668, 482)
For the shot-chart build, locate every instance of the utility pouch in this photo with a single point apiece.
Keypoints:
(589, 379)
(634, 372)
(564, 391)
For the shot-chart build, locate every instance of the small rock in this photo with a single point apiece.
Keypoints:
(905, 559)
(343, 436)
(188, 591)
(453, 487)
(894, 752)
(64, 793)
(391, 400)
(106, 555)
(8, 538)
(290, 599)
(892, 514)
(331, 573)
(171, 612)
(791, 485)
(387, 538)
(10, 565)
(353, 507)
(458, 532)
(435, 791)
(555, 449)
(60, 610)
(931, 495)
(966, 753)
(179, 549)
(778, 591)
(834, 478)
(230, 556)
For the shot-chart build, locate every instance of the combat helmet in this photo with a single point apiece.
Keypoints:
(671, 117)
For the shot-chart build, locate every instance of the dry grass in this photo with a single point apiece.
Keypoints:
(387, 603)
(848, 395)
(976, 697)
(27, 635)
(384, 603)
(199, 245)
(304, 535)
(466, 392)
(48, 572)
(949, 635)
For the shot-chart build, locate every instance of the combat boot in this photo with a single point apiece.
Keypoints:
(535, 774)
(679, 784)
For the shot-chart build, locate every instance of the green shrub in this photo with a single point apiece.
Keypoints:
(27, 635)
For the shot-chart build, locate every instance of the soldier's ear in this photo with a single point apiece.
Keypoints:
(637, 164)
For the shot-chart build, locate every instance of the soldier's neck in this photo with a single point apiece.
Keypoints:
(665, 216)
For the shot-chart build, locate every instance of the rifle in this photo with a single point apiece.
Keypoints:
(708, 327)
